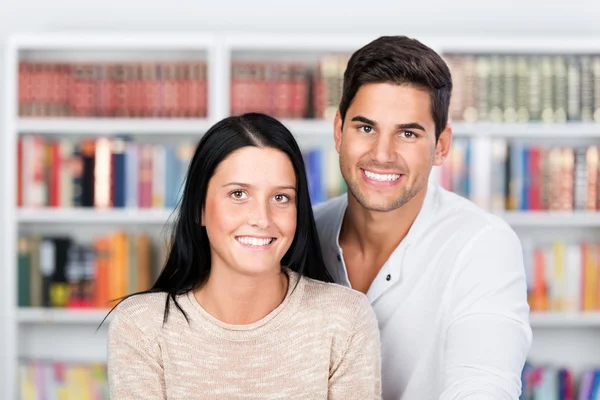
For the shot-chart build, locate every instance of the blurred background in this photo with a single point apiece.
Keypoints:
(103, 103)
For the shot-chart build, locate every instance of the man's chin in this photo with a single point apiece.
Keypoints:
(379, 205)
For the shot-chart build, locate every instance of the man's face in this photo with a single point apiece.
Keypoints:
(387, 146)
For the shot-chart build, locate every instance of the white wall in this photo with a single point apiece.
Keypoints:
(462, 16)
(456, 17)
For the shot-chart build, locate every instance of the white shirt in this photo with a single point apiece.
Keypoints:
(451, 301)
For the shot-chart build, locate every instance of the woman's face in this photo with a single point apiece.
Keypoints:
(250, 210)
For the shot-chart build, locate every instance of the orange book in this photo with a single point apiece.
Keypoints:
(590, 276)
(143, 262)
(596, 267)
(119, 266)
(102, 282)
(540, 291)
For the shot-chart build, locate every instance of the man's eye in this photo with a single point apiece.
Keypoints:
(365, 129)
(408, 134)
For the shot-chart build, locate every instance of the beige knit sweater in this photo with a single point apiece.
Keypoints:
(322, 342)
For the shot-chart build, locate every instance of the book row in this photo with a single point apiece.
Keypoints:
(178, 89)
(117, 172)
(525, 177)
(58, 271)
(545, 382)
(288, 89)
(487, 87)
(41, 379)
(563, 276)
(521, 88)
(61, 271)
(91, 89)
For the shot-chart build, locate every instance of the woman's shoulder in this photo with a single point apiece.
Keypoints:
(336, 299)
(143, 312)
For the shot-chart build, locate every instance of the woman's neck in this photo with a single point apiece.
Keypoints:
(238, 299)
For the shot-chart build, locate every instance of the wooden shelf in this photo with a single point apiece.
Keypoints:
(160, 216)
(191, 126)
(95, 316)
(114, 126)
(531, 130)
(61, 316)
(551, 218)
(559, 319)
(94, 216)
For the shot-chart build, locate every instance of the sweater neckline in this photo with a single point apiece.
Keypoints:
(268, 323)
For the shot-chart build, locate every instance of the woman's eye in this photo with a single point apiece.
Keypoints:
(281, 198)
(238, 194)
(365, 129)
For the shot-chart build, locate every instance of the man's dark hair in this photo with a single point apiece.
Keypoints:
(403, 61)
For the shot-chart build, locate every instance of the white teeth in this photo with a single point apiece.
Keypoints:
(254, 241)
(379, 177)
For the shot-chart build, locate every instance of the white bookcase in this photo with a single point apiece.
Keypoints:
(572, 340)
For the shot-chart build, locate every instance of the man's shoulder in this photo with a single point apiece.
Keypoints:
(325, 209)
(464, 218)
(328, 213)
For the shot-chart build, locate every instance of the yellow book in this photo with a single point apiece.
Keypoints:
(559, 277)
(590, 277)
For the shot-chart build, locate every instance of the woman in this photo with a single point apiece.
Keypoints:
(244, 307)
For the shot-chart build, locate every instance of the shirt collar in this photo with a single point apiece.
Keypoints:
(419, 225)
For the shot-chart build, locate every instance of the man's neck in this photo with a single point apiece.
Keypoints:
(378, 233)
(237, 299)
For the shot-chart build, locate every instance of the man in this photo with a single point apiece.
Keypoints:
(446, 279)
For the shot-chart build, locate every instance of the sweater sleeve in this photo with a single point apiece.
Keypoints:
(135, 367)
(357, 375)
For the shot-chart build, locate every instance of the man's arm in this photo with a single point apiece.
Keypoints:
(489, 336)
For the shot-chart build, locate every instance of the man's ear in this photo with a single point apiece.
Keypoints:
(337, 130)
(443, 145)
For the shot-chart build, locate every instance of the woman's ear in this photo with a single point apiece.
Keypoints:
(202, 218)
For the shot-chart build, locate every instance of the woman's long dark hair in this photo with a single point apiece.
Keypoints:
(188, 262)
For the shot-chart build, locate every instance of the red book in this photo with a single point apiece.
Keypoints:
(203, 89)
(236, 86)
(82, 97)
(23, 95)
(300, 91)
(535, 200)
(19, 172)
(283, 90)
(55, 167)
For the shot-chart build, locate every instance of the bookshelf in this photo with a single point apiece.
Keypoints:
(44, 316)
(68, 334)
(82, 126)
(75, 216)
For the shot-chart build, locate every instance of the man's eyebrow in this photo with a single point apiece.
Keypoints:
(360, 118)
(410, 125)
(246, 185)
